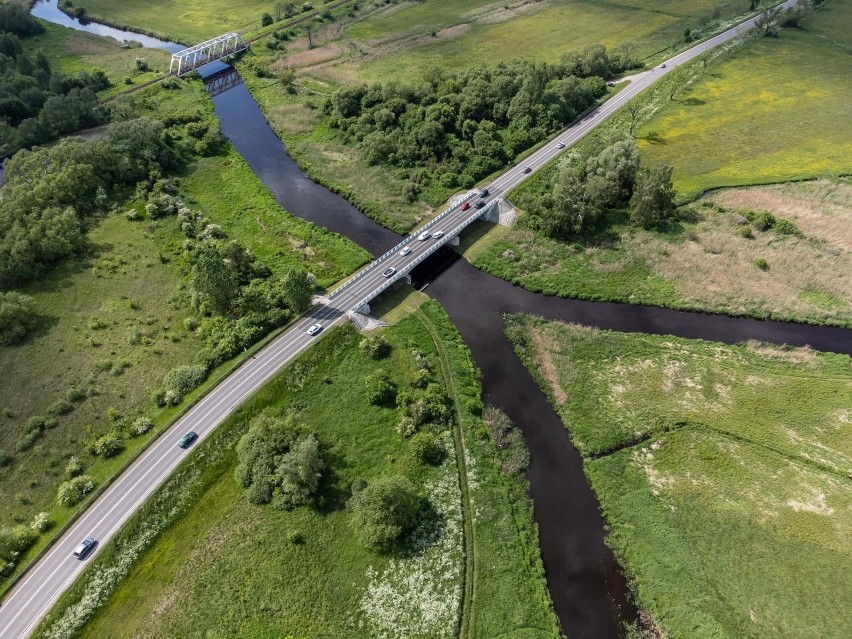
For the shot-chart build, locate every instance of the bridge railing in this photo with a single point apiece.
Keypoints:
(390, 252)
(434, 247)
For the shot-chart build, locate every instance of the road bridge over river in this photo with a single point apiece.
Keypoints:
(43, 583)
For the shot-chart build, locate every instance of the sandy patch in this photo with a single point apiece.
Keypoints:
(802, 355)
(310, 57)
(816, 504)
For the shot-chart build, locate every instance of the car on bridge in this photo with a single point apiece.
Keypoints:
(438, 235)
(480, 204)
(314, 329)
(425, 235)
(85, 547)
(483, 193)
(465, 206)
(405, 251)
(187, 439)
(389, 272)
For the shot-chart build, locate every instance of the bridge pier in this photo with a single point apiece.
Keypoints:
(453, 241)
(364, 309)
(499, 212)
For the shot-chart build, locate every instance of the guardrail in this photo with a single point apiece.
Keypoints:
(422, 256)
(367, 269)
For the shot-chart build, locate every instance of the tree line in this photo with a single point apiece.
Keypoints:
(38, 104)
(457, 128)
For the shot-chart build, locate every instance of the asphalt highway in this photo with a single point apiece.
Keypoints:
(42, 585)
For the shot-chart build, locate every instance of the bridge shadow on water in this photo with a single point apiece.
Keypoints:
(589, 592)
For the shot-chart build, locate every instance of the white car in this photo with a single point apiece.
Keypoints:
(560, 145)
(438, 235)
(405, 251)
(314, 329)
(389, 272)
(424, 236)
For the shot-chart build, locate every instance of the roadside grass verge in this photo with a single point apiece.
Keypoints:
(769, 111)
(237, 556)
(723, 471)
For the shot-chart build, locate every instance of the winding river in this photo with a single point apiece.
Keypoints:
(588, 589)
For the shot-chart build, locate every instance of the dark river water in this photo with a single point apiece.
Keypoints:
(586, 584)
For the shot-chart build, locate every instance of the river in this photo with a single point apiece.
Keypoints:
(586, 584)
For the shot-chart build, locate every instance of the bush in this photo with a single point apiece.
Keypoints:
(5, 459)
(379, 388)
(41, 523)
(73, 491)
(746, 232)
(507, 438)
(296, 537)
(265, 20)
(786, 227)
(141, 64)
(33, 428)
(14, 541)
(17, 317)
(75, 394)
(60, 407)
(74, 467)
(426, 449)
(140, 426)
(375, 346)
(108, 445)
(385, 510)
(762, 264)
(179, 381)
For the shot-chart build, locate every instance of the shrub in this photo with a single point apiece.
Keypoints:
(419, 378)
(265, 20)
(75, 394)
(60, 407)
(74, 467)
(375, 346)
(746, 232)
(140, 426)
(41, 522)
(426, 449)
(385, 510)
(296, 537)
(17, 317)
(179, 381)
(786, 227)
(141, 64)
(162, 205)
(14, 541)
(507, 438)
(33, 428)
(5, 459)
(108, 445)
(379, 388)
(762, 264)
(73, 491)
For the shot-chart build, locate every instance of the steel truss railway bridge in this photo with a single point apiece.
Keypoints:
(205, 52)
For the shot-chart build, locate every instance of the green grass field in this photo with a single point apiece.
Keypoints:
(723, 471)
(772, 110)
(236, 557)
(402, 45)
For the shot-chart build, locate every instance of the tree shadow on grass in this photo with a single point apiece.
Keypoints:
(332, 494)
(693, 102)
(654, 138)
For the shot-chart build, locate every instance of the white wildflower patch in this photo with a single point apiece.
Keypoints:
(420, 595)
(644, 458)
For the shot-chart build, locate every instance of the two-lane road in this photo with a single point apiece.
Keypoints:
(40, 587)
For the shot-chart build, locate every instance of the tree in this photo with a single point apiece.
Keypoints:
(636, 110)
(767, 22)
(284, 10)
(276, 463)
(297, 288)
(375, 346)
(653, 197)
(71, 492)
(265, 20)
(214, 281)
(573, 208)
(385, 510)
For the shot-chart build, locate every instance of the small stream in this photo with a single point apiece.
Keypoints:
(588, 589)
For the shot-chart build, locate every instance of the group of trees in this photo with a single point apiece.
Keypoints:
(37, 104)
(461, 127)
(603, 177)
(279, 462)
(51, 193)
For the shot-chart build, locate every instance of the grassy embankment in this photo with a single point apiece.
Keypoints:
(709, 261)
(114, 319)
(732, 513)
(237, 557)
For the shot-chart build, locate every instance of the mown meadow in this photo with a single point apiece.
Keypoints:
(268, 573)
(115, 318)
(723, 471)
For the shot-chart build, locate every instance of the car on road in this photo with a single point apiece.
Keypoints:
(314, 329)
(663, 66)
(425, 235)
(465, 206)
(483, 193)
(610, 84)
(561, 145)
(85, 547)
(438, 235)
(187, 439)
(479, 204)
(405, 251)
(528, 169)
(389, 272)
